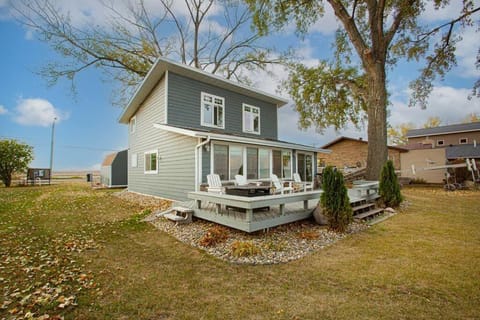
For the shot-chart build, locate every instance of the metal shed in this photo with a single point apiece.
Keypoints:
(113, 172)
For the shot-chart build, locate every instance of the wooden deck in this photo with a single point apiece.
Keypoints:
(249, 213)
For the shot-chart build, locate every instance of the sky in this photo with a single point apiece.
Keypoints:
(86, 126)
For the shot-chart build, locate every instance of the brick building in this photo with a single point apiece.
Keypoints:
(352, 153)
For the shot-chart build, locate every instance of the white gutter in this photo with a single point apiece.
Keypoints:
(197, 148)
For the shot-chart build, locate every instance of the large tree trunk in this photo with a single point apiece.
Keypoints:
(377, 122)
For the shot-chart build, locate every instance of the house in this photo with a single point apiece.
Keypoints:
(430, 149)
(185, 123)
(352, 153)
(113, 172)
(38, 176)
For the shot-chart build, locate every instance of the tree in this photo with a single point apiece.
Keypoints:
(389, 188)
(432, 122)
(472, 117)
(14, 157)
(398, 135)
(351, 87)
(210, 35)
(334, 200)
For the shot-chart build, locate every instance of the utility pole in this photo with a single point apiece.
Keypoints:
(51, 148)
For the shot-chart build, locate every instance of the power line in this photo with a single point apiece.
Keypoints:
(63, 146)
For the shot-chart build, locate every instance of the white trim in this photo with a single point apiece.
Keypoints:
(202, 122)
(166, 96)
(243, 118)
(229, 138)
(145, 162)
(132, 125)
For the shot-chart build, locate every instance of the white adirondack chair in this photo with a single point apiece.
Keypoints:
(305, 185)
(279, 187)
(215, 184)
(240, 180)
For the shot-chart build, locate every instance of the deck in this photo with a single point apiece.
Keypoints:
(251, 214)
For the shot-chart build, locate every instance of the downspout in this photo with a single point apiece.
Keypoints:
(197, 148)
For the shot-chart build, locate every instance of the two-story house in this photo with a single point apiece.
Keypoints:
(431, 148)
(185, 123)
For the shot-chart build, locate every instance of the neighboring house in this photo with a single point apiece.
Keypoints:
(38, 175)
(185, 123)
(430, 148)
(113, 172)
(352, 153)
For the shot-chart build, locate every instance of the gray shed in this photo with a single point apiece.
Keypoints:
(114, 170)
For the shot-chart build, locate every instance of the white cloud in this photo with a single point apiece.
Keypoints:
(451, 11)
(3, 110)
(327, 24)
(37, 112)
(451, 105)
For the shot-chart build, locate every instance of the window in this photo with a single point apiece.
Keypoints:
(282, 164)
(133, 124)
(251, 119)
(212, 111)
(463, 140)
(252, 163)
(264, 164)
(236, 161)
(440, 142)
(220, 160)
(151, 162)
(305, 166)
(134, 160)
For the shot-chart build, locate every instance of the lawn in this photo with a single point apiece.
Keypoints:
(69, 251)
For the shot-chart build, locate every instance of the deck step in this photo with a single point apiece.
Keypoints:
(368, 214)
(363, 206)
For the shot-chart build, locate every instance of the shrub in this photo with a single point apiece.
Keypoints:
(334, 200)
(214, 235)
(244, 249)
(389, 188)
(418, 181)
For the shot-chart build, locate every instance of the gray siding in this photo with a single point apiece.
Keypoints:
(184, 107)
(176, 153)
(119, 169)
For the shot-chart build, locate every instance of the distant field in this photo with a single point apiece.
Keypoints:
(74, 175)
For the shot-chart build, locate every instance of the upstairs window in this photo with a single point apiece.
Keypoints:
(463, 141)
(440, 142)
(213, 111)
(251, 119)
(133, 124)
(151, 162)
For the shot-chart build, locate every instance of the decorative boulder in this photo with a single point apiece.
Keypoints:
(320, 218)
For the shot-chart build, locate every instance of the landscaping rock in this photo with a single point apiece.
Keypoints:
(319, 217)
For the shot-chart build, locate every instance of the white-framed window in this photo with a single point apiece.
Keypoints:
(305, 166)
(151, 162)
(463, 141)
(440, 142)
(282, 163)
(133, 124)
(134, 160)
(251, 119)
(212, 111)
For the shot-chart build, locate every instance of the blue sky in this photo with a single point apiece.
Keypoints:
(87, 127)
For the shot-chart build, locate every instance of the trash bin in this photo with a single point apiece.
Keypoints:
(89, 177)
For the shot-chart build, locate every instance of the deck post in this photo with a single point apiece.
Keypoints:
(305, 204)
(218, 208)
(282, 209)
(249, 215)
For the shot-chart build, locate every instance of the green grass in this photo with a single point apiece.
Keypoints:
(421, 264)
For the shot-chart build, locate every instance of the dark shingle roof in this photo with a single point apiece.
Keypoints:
(342, 138)
(463, 151)
(462, 127)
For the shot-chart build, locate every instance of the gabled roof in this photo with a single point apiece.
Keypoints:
(454, 128)
(339, 139)
(163, 65)
(236, 138)
(463, 151)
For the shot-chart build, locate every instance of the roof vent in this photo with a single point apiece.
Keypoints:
(361, 139)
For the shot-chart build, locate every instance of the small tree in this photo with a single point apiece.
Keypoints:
(14, 157)
(334, 200)
(389, 186)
